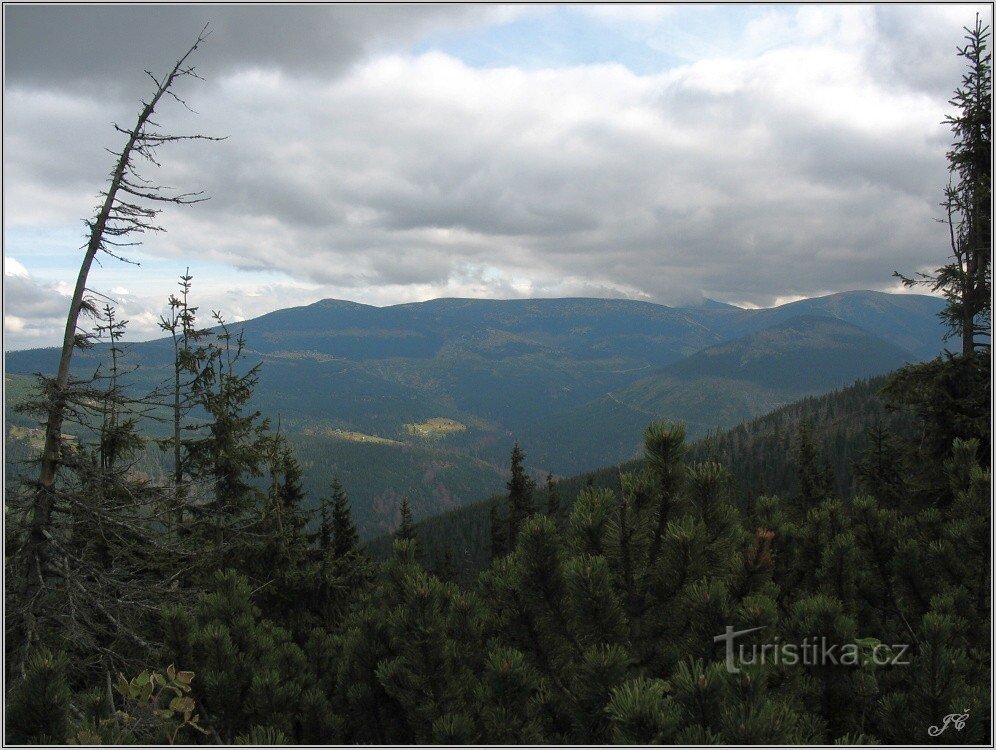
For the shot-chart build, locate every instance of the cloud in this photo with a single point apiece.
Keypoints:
(655, 183)
(802, 159)
(34, 313)
(12, 267)
(35, 310)
(44, 44)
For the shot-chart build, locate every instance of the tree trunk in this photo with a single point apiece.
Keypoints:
(44, 499)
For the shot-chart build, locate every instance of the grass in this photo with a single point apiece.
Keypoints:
(351, 436)
(437, 427)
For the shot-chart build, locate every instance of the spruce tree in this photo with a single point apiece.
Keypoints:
(553, 501)
(949, 398)
(812, 474)
(232, 447)
(283, 515)
(520, 494)
(343, 531)
(325, 528)
(966, 281)
(406, 528)
(113, 563)
(883, 468)
(180, 323)
(497, 532)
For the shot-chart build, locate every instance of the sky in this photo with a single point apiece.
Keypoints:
(753, 154)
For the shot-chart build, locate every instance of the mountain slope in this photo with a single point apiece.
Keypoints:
(759, 453)
(908, 321)
(575, 380)
(716, 387)
(805, 353)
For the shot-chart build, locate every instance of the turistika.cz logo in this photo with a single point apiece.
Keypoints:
(812, 651)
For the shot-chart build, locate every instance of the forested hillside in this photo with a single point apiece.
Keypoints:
(718, 386)
(594, 621)
(762, 456)
(438, 391)
(379, 472)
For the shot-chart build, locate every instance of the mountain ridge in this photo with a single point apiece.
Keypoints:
(718, 386)
(540, 371)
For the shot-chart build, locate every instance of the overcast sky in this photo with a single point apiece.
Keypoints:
(385, 154)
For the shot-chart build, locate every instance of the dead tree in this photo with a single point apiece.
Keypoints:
(129, 207)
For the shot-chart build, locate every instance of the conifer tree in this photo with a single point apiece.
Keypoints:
(497, 532)
(812, 475)
(409, 659)
(883, 468)
(249, 670)
(233, 447)
(325, 528)
(344, 536)
(553, 501)
(128, 208)
(112, 564)
(276, 552)
(595, 610)
(966, 281)
(180, 322)
(520, 494)
(406, 528)
(38, 704)
(949, 398)
(284, 517)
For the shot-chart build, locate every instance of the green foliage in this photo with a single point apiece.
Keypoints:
(406, 528)
(262, 736)
(408, 657)
(497, 531)
(760, 456)
(157, 705)
(813, 475)
(949, 398)
(342, 530)
(520, 494)
(251, 672)
(234, 446)
(601, 629)
(151, 708)
(554, 507)
(642, 714)
(38, 704)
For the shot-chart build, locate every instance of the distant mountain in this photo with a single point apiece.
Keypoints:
(716, 387)
(908, 321)
(573, 379)
(807, 353)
